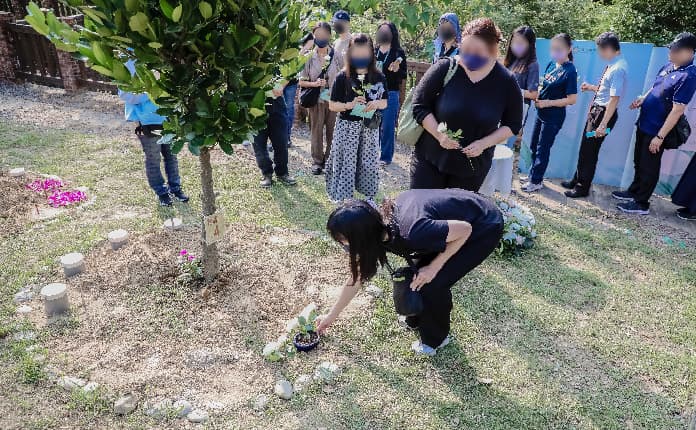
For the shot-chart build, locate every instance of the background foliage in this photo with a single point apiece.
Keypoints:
(649, 21)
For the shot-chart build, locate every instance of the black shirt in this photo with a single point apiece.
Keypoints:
(386, 59)
(419, 222)
(477, 109)
(344, 91)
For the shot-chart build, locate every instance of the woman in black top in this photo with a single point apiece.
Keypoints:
(447, 233)
(482, 102)
(352, 163)
(391, 61)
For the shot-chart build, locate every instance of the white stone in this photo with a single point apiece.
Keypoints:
(197, 416)
(126, 404)
(182, 408)
(261, 402)
(23, 296)
(24, 309)
(72, 260)
(173, 223)
(70, 383)
(327, 372)
(374, 291)
(90, 386)
(17, 172)
(83, 189)
(56, 300)
(283, 389)
(117, 238)
(24, 335)
(302, 382)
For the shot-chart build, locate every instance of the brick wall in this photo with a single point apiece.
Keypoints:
(6, 50)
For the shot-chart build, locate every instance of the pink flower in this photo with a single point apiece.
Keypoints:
(183, 252)
(191, 258)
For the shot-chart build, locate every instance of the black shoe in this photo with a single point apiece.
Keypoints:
(266, 181)
(624, 196)
(179, 195)
(568, 184)
(317, 170)
(287, 180)
(576, 194)
(684, 214)
(633, 207)
(165, 200)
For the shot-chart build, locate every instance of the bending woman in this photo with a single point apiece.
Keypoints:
(447, 233)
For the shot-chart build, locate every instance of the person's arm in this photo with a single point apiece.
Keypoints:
(381, 103)
(608, 113)
(336, 104)
(424, 98)
(510, 122)
(532, 91)
(459, 232)
(350, 289)
(672, 119)
(571, 91)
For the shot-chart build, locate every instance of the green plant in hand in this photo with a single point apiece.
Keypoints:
(454, 135)
(206, 65)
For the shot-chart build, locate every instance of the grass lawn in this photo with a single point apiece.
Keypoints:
(594, 328)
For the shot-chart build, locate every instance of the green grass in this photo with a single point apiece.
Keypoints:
(594, 328)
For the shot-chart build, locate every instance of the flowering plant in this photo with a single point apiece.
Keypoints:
(44, 185)
(283, 347)
(66, 198)
(520, 227)
(190, 268)
(454, 135)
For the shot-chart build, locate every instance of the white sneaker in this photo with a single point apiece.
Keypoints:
(420, 348)
(524, 179)
(530, 186)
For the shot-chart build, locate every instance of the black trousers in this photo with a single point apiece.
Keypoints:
(277, 131)
(425, 175)
(647, 166)
(589, 149)
(434, 322)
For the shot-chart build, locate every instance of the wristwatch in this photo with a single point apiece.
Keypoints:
(660, 137)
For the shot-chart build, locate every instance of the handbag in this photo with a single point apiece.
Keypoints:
(374, 122)
(406, 301)
(409, 130)
(309, 96)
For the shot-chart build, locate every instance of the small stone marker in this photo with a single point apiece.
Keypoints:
(159, 409)
(374, 291)
(197, 416)
(70, 383)
(302, 382)
(283, 389)
(24, 309)
(327, 372)
(24, 295)
(126, 404)
(90, 386)
(17, 172)
(261, 402)
(182, 408)
(118, 238)
(55, 299)
(73, 264)
(173, 224)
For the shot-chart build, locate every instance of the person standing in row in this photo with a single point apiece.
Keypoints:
(521, 60)
(391, 61)
(603, 113)
(353, 161)
(559, 89)
(314, 75)
(685, 193)
(481, 103)
(276, 131)
(449, 34)
(140, 108)
(290, 90)
(341, 25)
(660, 110)
(446, 233)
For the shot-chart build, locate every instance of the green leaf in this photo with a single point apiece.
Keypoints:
(205, 9)
(263, 31)
(154, 45)
(92, 14)
(226, 148)
(177, 145)
(166, 139)
(38, 24)
(167, 9)
(35, 11)
(132, 5)
(176, 13)
(195, 150)
(120, 72)
(103, 70)
(256, 112)
(100, 55)
(138, 22)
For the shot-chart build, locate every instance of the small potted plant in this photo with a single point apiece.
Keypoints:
(306, 338)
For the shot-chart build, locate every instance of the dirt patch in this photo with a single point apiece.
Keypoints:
(141, 331)
(17, 203)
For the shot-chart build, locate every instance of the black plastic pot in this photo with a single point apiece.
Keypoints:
(301, 346)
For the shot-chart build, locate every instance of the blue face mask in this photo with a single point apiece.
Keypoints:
(360, 63)
(473, 62)
(321, 43)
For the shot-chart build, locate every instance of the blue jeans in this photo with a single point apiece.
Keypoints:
(388, 127)
(277, 131)
(289, 94)
(542, 140)
(154, 152)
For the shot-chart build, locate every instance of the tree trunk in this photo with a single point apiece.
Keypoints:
(211, 260)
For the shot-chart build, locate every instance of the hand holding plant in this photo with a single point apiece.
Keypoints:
(448, 139)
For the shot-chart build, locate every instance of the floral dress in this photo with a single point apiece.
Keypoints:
(353, 162)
